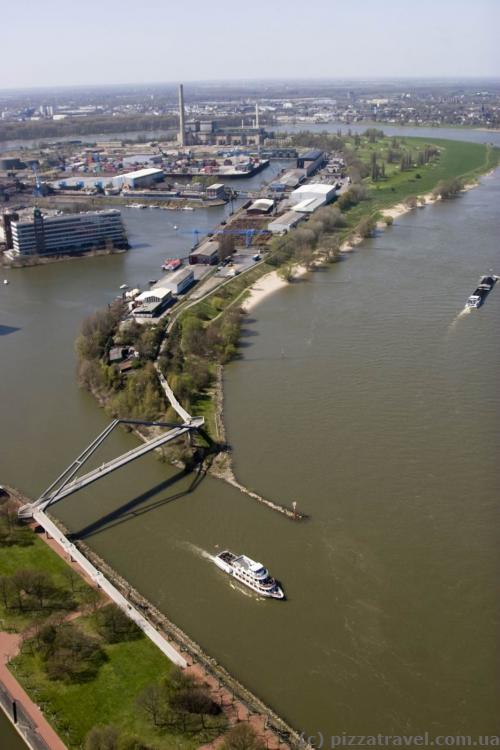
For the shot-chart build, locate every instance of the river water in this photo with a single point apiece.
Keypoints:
(362, 394)
(8, 735)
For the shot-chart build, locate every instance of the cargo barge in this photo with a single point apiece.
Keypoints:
(478, 296)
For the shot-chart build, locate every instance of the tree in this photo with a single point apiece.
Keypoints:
(102, 738)
(448, 188)
(227, 245)
(33, 588)
(153, 700)
(411, 201)
(242, 737)
(352, 197)
(68, 653)
(366, 226)
(285, 272)
(115, 625)
(6, 591)
(194, 700)
(97, 330)
(193, 336)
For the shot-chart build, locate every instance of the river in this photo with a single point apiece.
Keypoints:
(362, 394)
(10, 738)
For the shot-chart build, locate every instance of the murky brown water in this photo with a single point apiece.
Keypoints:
(9, 738)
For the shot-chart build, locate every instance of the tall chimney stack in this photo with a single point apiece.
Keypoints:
(257, 115)
(182, 124)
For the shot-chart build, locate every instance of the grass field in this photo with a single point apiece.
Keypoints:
(466, 161)
(458, 159)
(109, 698)
(37, 556)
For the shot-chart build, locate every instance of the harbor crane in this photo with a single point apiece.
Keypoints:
(248, 234)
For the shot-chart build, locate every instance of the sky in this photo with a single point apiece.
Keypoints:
(77, 42)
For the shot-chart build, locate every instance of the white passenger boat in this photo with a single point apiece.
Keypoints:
(250, 573)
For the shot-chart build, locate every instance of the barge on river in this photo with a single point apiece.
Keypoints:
(252, 574)
(478, 297)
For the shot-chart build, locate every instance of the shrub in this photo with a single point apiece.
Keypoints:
(366, 226)
(448, 188)
(242, 737)
(411, 201)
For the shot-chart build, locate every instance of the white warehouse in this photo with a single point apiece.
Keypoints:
(307, 198)
(140, 178)
(285, 222)
(179, 281)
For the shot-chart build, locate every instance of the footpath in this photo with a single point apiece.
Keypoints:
(10, 644)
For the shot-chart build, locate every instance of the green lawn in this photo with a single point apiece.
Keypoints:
(457, 159)
(36, 556)
(109, 698)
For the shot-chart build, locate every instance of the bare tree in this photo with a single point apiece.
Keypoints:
(227, 245)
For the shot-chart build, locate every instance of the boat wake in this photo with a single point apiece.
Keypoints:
(199, 551)
(462, 314)
(246, 592)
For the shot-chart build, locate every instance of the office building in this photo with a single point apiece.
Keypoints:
(67, 233)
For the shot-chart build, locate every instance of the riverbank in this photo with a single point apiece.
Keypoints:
(267, 285)
(28, 261)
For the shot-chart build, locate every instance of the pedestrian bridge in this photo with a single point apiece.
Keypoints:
(67, 483)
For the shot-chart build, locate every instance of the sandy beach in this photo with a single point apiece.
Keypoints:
(267, 285)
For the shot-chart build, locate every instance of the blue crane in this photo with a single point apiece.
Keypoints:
(247, 233)
(38, 189)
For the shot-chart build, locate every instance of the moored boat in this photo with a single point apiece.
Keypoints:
(252, 574)
(171, 264)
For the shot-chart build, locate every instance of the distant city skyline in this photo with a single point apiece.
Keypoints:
(52, 44)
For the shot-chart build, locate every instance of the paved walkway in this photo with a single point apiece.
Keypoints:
(235, 711)
(107, 587)
(186, 418)
(9, 647)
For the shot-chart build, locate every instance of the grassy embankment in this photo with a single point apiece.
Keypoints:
(457, 159)
(384, 172)
(110, 668)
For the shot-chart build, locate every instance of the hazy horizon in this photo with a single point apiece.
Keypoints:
(261, 81)
(121, 43)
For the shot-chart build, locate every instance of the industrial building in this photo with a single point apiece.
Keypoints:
(284, 223)
(217, 190)
(307, 198)
(9, 163)
(261, 206)
(153, 302)
(206, 132)
(179, 281)
(67, 233)
(311, 161)
(139, 179)
(206, 254)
